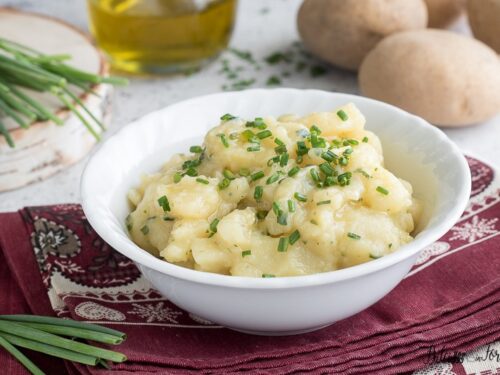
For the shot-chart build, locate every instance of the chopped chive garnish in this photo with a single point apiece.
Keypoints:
(268, 275)
(314, 174)
(292, 172)
(259, 123)
(323, 202)
(282, 218)
(256, 176)
(202, 181)
(291, 206)
(196, 149)
(224, 184)
(344, 179)
(280, 149)
(342, 115)
(300, 197)
(284, 159)
(213, 225)
(257, 194)
(373, 256)
(264, 134)
(177, 177)
(354, 236)
(273, 160)
(329, 156)
(168, 218)
(279, 142)
(233, 136)
(330, 181)
(314, 128)
(246, 253)
(352, 142)
(302, 149)
(348, 151)
(294, 237)
(271, 180)
(228, 174)
(163, 202)
(261, 215)
(365, 139)
(359, 170)
(128, 222)
(283, 244)
(192, 172)
(276, 208)
(327, 169)
(224, 140)
(389, 246)
(248, 135)
(253, 148)
(244, 172)
(343, 161)
(227, 117)
(145, 229)
(382, 190)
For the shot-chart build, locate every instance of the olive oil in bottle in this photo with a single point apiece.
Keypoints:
(161, 36)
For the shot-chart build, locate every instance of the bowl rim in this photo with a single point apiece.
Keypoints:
(132, 251)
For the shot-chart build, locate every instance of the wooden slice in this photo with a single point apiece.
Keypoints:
(46, 148)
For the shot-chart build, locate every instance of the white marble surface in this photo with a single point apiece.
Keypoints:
(263, 27)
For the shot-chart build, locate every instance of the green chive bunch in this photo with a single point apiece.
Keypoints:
(58, 338)
(21, 66)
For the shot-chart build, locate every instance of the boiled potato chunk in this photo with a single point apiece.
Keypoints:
(270, 197)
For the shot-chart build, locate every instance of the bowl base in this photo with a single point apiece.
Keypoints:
(280, 333)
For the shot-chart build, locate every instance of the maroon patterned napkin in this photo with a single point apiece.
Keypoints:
(53, 263)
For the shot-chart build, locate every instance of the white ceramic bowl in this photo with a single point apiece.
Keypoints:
(413, 149)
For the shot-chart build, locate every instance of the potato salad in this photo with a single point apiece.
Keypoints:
(270, 197)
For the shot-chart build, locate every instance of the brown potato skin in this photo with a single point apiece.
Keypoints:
(342, 32)
(442, 13)
(484, 20)
(446, 78)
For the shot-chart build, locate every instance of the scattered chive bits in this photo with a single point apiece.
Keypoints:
(292, 172)
(177, 177)
(227, 117)
(323, 202)
(264, 134)
(294, 237)
(163, 203)
(273, 178)
(254, 148)
(228, 174)
(354, 236)
(342, 115)
(145, 229)
(382, 190)
(365, 139)
(268, 275)
(202, 181)
(300, 197)
(257, 175)
(258, 192)
(196, 149)
(291, 206)
(213, 227)
(283, 244)
(224, 141)
(246, 253)
(224, 184)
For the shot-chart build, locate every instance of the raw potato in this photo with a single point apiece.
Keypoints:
(442, 13)
(484, 19)
(342, 32)
(446, 78)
